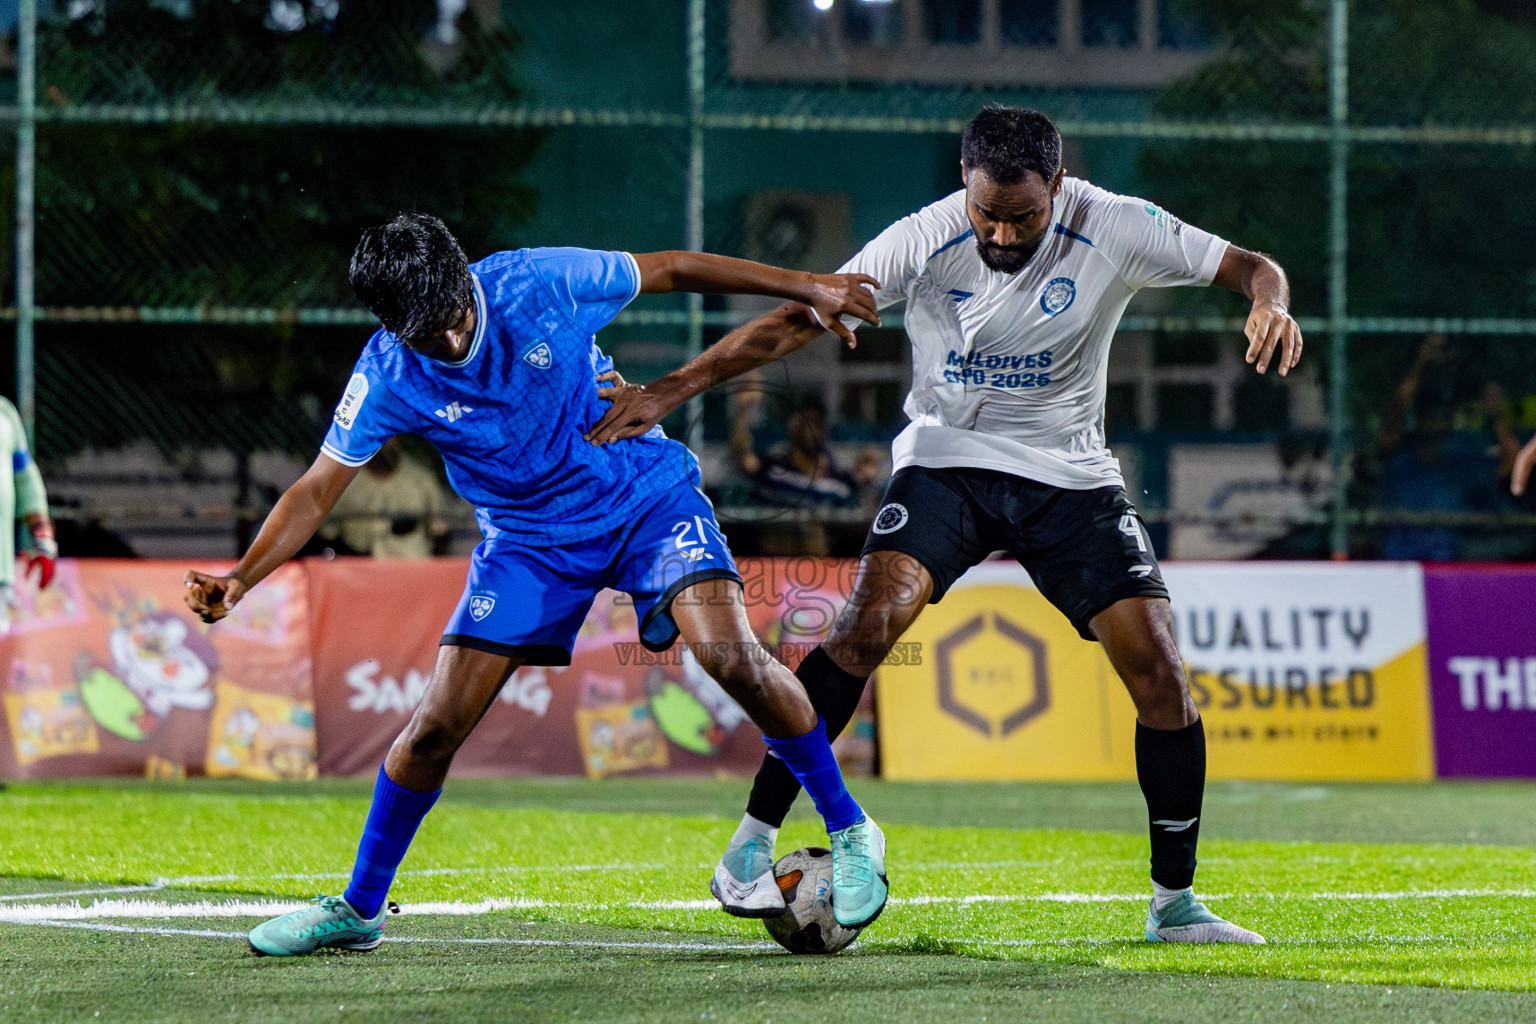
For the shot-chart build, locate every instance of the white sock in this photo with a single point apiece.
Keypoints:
(1161, 896)
(750, 827)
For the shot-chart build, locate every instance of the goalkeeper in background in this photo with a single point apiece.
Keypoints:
(22, 498)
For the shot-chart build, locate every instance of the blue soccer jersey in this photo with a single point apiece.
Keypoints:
(509, 417)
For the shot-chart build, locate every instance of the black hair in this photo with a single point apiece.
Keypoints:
(413, 276)
(1007, 143)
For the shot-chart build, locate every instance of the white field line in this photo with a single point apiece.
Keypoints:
(508, 869)
(1385, 940)
(184, 880)
(204, 909)
(1334, 940)
(155, 886)
(156, 910)
(504, 869)
(203, 933)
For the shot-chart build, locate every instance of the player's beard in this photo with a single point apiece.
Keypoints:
(1008, 259)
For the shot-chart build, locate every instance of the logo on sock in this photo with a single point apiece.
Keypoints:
(1175, 826)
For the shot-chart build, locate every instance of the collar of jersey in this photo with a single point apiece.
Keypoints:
(1050, 231)
(474, 346)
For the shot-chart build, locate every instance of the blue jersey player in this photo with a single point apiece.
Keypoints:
(495, 363)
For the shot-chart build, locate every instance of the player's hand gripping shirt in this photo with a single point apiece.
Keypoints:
(1008, 370)
(509, 417)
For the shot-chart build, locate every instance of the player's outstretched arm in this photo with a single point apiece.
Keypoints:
(637, 408)
(1270, 324)
(294, 519)
(1521, 474)
(830, 295)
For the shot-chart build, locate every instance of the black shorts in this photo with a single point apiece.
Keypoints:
(1085, 550)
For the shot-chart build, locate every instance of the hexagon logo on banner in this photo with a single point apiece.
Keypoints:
(992, 675)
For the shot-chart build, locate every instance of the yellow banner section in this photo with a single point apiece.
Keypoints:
(1004, 688)
(1361, 723)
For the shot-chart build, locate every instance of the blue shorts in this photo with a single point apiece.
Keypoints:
(528, 602)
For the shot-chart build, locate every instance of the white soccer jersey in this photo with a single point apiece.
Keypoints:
(1008, 370)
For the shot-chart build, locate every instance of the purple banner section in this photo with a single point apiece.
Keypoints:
(1482, 664)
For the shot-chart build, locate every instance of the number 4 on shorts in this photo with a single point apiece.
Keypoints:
(1131, 527)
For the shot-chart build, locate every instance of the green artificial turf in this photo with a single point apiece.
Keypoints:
(601, 912)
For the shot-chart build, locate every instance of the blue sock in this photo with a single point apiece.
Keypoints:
(810, 758)
(392, 822)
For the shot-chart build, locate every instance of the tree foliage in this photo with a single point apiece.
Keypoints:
(261, 214)
(1437, 229)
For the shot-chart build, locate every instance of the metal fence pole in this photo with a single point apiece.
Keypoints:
(1338, 253)
(694, 411)
(26, 161)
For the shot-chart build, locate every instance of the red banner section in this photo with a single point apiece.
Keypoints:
(106, 672)
(321, 666)
(616, 709)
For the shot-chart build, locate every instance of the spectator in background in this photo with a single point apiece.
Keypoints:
(22, 499)
(1427, 466)
(394, 509)
(801, 472)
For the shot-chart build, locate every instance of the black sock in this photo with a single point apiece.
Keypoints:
(835, 696)
(1170, 765)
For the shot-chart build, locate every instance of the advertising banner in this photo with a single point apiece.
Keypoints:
(1300, 672)
(994, 683)
(1307, 670)
(1482, 657)
(616, 709)
(107, 672)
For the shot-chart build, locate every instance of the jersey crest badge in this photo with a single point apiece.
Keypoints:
(1058, 295)
(480, 605)
(890, 519)
(351, 401)
(539, 356)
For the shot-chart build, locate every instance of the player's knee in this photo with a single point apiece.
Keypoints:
(1160, 690)
(744, 677)
(433, 741)
(865, 633)
(860, 652)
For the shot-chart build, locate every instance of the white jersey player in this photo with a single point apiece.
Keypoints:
(1014, 287)
(1009, 368)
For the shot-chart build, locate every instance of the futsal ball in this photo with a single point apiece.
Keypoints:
(807, 924)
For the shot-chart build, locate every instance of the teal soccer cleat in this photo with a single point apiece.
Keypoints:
(744, 882)
(329, 922)
(1187, 920)
(859, 886)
